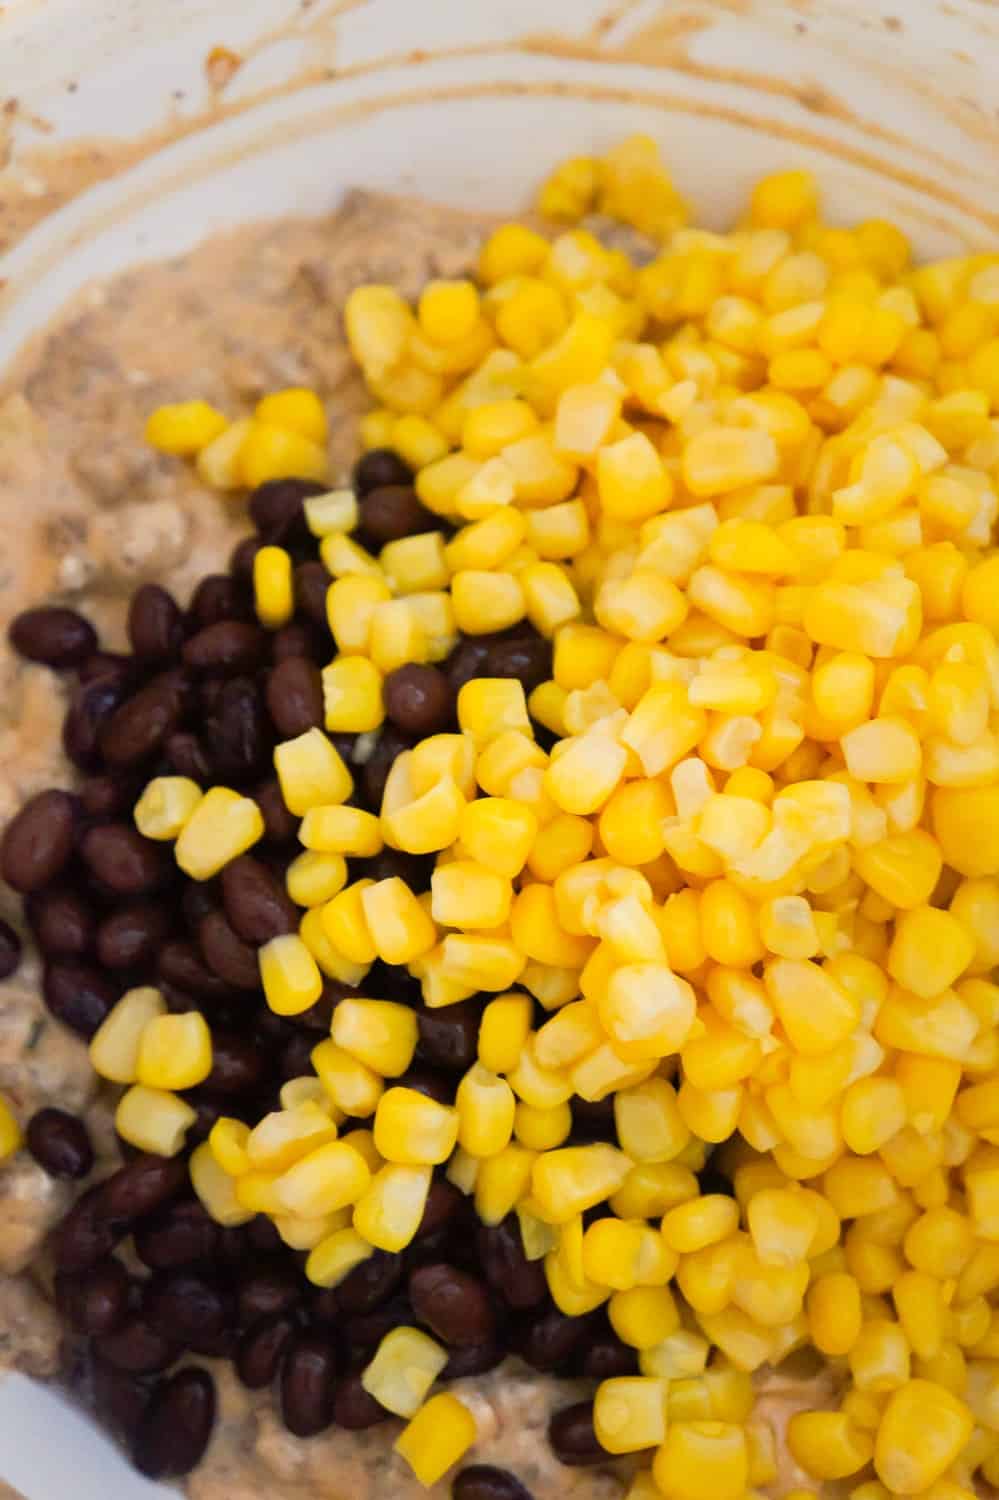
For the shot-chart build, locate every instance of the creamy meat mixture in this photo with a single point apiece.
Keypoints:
(89, 513)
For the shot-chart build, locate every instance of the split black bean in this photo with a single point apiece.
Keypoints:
(155, 624)
(484, 1482)
(140, 726)
(122, 860)
(55, 637)
(573, 1438)
(419, 700)
(176, 1426)
(10, 950)
(261, 1349)
(38, 841)
(454, 1306)
(78, 994)
(60, 1143)
(378, 467)
(256, 903)
(308, 1385)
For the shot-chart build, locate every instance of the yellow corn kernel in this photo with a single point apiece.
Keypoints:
(389, 1212)
(568, 1181)
(215, 1189)
(782, 1225)
(329, 1178)
(311, 772)
(705, 1221)
(930, 950)
(648, 1122)
(490, 706)
(10, 1131)
(350, 605)
(380, 1033)
(632, 480)
(337, 510)
(437, 1437)
(503, 1181)
(184, 428)
(487, 543)
(336, 1256)
(629, 1414)
(270, 452)
(290, 975)
(827, 1445)
(903, 868)
(503, 1033)
(498, 833)
(314, 878)
(338, 829)
(511, 250)
(400, 929)
(345, 924)
(879, 1359)
(467, 894)
(413, 1130)
(228, 1143)
(644, 1315)
(481, 962)
(485, 602)
(115, 1045)
(486, 1108)
(154, 1120)
(542, 1129)
(405, 1366)
(835, 1313)
(352, 695)
(379, 325)
(166, 806)
(784, 200)
(814, 1010)
(647, 1011)
(175, 1051)
(273, 589)
(222, 825)
(922, 1431)
(702, 1458)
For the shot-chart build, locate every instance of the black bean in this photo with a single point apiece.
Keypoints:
(296, 1057)
(276, 509)
(155, 624)
(92, 706)
(608, 1358)
(122, 860)
(185, 1306)
(238, 1067)
(415, 870)
(262, 1237)
(295, 697)
(393, 511)
(474, 1359)
(141, 725)
(380, 466)
(180, 964)
(312, 582)
(280, 826)
(188, 756)
(374, 773)
(227, 955)
(78, 995)
(96, 1302)
(256, 903)
(176, 1426)
(433, 1085)
(137, 1348)
(143, 1185)
(10, 950)
(103, 797)
(119, 1399)
(109, 665)
(365, 1333)
(265, 1290)
(59, 1142)
(528, 660)
(453, 1305)
(87, 1234)
(238, 732)
(520, 1282)
(179, 1235)
(547, 1340)
(419, 699)
(38, 841)
(443, 1202)
(261, 1349)
(54, 636)
(449, 1037)
(227, 648)
(354, 1408)
(133, 935)
(371, 1283)
(295, 640)
(593, 1119)
(207, 1112)
(217, 597)
(483, 1482)
(308, 1379)
(573, 1438)
(465, 662)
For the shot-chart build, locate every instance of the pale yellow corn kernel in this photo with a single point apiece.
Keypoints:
(728, 458)
(284, 1136)
(273, 588)
(648, 1122)
(787, 927)
(352, 695)
(114, 1047)
(498, 833)
(289, 975)
(481, 962)
(416, 440)
(436, 1438)
(343, 830)
(311, 772)
(350, 604)
(879, 618)
(413, 1130)
(467, 894)
(629, 1413)
(883, 750)
(337, 510)
(222, 826)
(268, 452)
(644, 607)
(585, 418)
(379, 325)
(175, 1051)
(929, 951)
(380, 1033)
(405, 1366)
(215, 1189)
(428, 822)
(486, 1108)
(782, 1225)
(314, 930)
(228, 1141)
(647, 1011)
(154, 1120)
(336, 1256)
(219, 463)
(550, 598)
(389, 1212)
(184, 428)
(314, 877)
(166, 806)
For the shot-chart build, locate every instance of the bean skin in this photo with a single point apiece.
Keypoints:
(465, 662)
(78, 994)
(572, 1436)
(53, 636)
(529, 660)
(227, 648)
(261, 1349)
(280, 826)
(119, 1400)
(453, 1305)
(143, 1185)
(139, 727)
(607, 1359)
(122, 860)
(308, 1379)
(103, 797)
(10, 950)
(227, 955)
(59, 1142)
(188, 756)
(217, 597)
(354, 1408)
(256, 903)
(176, 1426)
(180, 964)
(238, 732)
(242, 558)
(92, 708)
(155, 624)
(443, 1202)
(38, 841)
(484, 1482)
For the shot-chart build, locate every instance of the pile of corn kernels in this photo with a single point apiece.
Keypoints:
(749, 490)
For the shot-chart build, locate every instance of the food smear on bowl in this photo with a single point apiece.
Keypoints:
(502, 998)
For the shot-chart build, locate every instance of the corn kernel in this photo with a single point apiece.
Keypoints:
(405, 1366)
(166, 806)
(437, 1437)
(115, 1045)
(175, 1051)
(154, 1120)
(389, 1212)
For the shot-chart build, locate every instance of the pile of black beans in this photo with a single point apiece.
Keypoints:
(206, 693)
